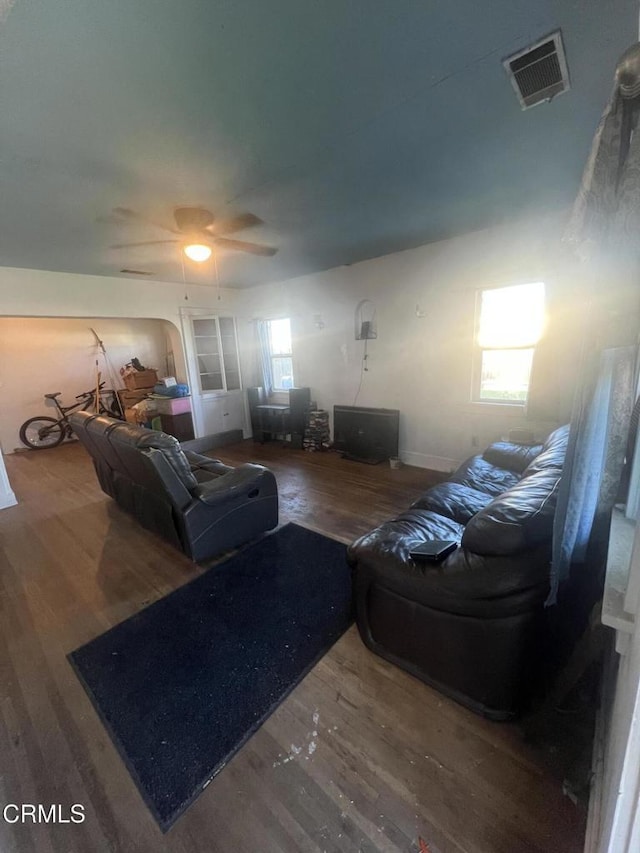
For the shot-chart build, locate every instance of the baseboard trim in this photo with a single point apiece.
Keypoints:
(434, 463)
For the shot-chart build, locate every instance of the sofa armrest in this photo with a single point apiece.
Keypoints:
(243, 479)
(198, 458)
(462, 583)
(206, 463)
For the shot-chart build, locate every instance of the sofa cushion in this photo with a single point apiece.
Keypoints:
(98, 428)
(477, 473)
(453, 500)
(553, 453)
(513, 457)
(517, 520)
(171, 450)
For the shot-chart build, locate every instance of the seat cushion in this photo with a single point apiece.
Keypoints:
(477, 473)
(453, 500)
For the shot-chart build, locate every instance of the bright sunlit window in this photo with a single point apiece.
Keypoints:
(280, 351)
(509, 323)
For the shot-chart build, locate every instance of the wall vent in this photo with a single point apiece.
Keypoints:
(539, 72)
(135, 272)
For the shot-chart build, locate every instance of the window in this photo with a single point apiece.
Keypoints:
(281, 354)
(216, 353)
(509, 324)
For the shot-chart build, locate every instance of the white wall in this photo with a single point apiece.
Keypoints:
(7, 497)
(420, 365)
(40, 355)
(38, 293)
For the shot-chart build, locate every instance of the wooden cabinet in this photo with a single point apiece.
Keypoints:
(180, 426)
(222, 412)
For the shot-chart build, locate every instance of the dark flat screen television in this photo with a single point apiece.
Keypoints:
(366, 435)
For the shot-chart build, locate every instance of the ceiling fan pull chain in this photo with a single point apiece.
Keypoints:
(184, 277)
(215, 264)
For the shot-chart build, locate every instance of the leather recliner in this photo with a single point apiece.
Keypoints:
(473, 625)
(198, 504)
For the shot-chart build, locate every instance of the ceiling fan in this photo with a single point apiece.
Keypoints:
(197, 230)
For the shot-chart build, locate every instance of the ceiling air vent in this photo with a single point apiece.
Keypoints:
(539, 72)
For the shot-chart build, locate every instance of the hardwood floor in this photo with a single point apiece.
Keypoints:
(394, 761)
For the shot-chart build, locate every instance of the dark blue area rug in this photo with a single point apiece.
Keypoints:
(184, 683)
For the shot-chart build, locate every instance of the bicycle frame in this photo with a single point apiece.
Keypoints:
(87, 401)
(39, 433)
(81, 404)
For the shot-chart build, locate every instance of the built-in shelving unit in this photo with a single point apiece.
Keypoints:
(216, 351)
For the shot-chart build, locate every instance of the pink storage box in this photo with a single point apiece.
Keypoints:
(172, 405)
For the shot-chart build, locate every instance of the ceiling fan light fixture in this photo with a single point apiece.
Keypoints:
(198, 252)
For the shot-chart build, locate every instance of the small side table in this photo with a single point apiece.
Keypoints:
(273, 420)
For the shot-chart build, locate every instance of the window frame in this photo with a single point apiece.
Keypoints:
(478, 351)
(273, 355)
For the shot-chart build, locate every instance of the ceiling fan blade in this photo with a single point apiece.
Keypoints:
(234, 223)
(241, 246)
(130, 215)
(144, 243)
(109, 219)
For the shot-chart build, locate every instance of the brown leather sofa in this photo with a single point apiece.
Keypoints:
(474, 625)
(198, 504)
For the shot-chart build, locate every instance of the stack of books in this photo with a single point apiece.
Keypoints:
(316, 434)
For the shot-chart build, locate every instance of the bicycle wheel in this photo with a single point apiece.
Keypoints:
(41, 433)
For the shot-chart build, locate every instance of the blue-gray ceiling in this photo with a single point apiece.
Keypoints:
(351, 127)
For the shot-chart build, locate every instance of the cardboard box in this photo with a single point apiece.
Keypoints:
(141, 379)
(130, 398)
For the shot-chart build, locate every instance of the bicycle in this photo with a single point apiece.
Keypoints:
(41, 433)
